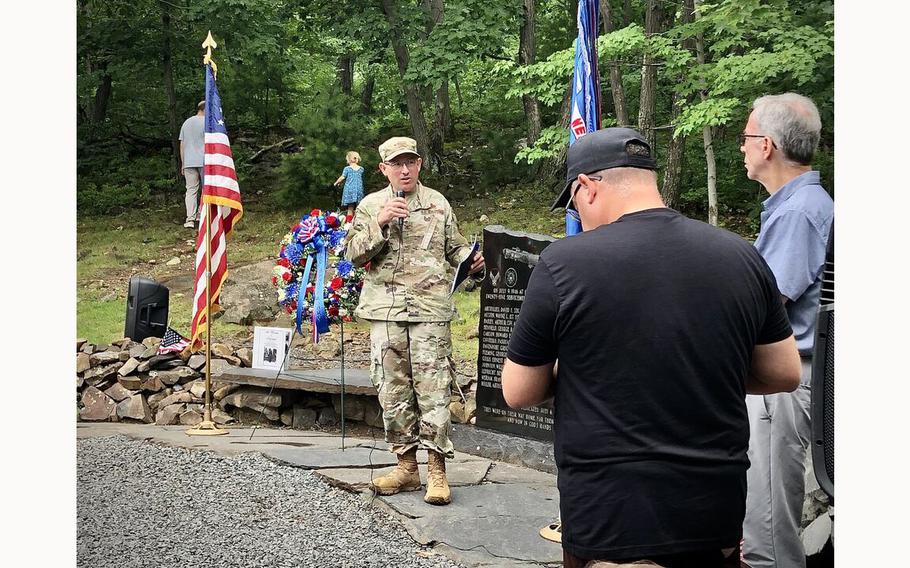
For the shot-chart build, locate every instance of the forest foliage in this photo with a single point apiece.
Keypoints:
(482, 85)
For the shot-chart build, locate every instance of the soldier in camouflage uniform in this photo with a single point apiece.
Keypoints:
(406, 297)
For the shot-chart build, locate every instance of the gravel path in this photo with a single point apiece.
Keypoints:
(145, 505)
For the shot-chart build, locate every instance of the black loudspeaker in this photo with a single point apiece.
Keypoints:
(822, 406)
(146, 309)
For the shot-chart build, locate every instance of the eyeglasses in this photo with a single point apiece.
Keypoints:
(410, 163)
(577, 187)
(743, 136)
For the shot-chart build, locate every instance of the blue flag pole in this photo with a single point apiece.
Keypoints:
(584, 114)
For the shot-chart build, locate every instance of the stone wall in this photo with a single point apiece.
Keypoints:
(129, 381)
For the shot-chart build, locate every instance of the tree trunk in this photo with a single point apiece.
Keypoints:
(616, 88)
(345, 73)
(555, 167)
(675, 152)
(707, 133)
(412, 96)
(648, 97)
(626, 12)
(366, 98)
(526, 57)
(442, 127)
(169, 88)
(677, 145)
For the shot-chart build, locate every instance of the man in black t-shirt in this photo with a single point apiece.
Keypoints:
(660, 325)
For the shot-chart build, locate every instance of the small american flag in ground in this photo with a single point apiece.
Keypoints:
(220, 210)
(172, 342)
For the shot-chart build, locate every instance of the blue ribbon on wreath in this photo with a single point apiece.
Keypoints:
(312, 230)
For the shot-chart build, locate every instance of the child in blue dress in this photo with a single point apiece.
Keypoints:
(352, 175)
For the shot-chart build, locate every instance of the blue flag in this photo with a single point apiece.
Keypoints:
(585, 110)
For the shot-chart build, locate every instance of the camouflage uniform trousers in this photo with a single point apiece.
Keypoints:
(411, 366)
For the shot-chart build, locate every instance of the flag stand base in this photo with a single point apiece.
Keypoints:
(206, 428)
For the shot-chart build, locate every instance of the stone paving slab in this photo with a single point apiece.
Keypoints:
(458, 473)
(502, 520)
(507, 473)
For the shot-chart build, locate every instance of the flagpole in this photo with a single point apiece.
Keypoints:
(208, 427)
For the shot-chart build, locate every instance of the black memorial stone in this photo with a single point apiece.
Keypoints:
(510, 257)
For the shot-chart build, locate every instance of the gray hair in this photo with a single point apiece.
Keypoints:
(792, 122)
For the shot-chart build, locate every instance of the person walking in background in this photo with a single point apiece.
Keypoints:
(192, 160)
(352, 176)
(778, 144)
(661, 324)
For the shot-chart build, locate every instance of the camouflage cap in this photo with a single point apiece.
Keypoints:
(396, 146)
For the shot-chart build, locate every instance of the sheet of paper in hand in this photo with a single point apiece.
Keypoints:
(464, 267)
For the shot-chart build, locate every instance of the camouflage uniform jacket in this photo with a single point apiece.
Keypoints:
(430, 246)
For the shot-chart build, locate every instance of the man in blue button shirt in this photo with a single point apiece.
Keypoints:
(778, 145)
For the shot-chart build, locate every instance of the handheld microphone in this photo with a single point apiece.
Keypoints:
(400, 193)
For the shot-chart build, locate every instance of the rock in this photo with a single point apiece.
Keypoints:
(303, 418)
(251, 397)
(327, 417)
(113, 417)
(328, 347)
(113, 347)
(144, 367)
(96, 405)
(484, 219)
(190, 417)
(104, 357)
(180, 397)
(196, 362)
(168, 415)
(158, 361)
(219, 366)
(149, 352)
(83, 362)
(136, 408)
(248, 294)
(124, 356)
(173, 262)
(250, 416)
(221, 417)
(172, 364)
(197, 388)
(171, 377)
(88, 348)
(152, 384)
(246, 356)
(137, 350)
(118, 393)
(372, 414)
(353, 407)
(155, 399)
(222, 350)
(222, 392)
(128, 367)
(131, 383)
(152, 342)
(127, 344)
(79, 382)
(470, 408)
(80, 343)
(96, 374)
(105, 383)
(456, 409)
(287, 417)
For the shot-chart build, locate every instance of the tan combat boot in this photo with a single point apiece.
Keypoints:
(437, 485)
(403, 478)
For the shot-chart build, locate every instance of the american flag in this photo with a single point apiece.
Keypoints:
(172, 342)
(220, 208)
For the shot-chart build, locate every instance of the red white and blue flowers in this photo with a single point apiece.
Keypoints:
(317, 238)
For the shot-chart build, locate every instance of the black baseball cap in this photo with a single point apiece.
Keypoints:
(601, 150)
